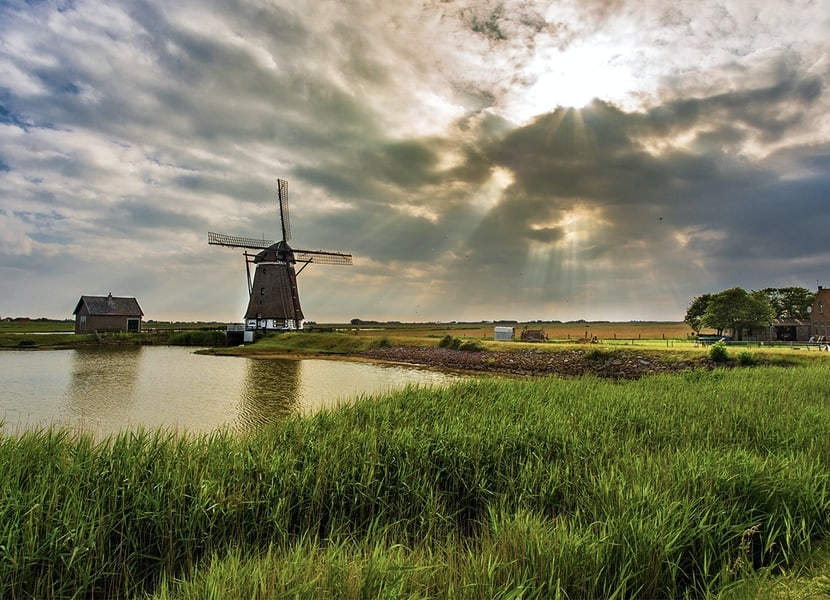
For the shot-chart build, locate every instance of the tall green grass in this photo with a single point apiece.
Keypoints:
(198, 338)
(670, 486)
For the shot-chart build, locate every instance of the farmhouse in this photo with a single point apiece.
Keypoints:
(107, 313)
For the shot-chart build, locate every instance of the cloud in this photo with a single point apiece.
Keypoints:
(433, 140)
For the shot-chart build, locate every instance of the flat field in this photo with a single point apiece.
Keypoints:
(36, 326)
(603, 330)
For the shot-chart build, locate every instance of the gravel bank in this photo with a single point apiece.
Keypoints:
(615, 364)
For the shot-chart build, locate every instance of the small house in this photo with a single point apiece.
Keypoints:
(107, 313)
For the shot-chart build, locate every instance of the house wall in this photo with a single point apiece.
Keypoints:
(787, 333)
(103, 323)
(820, 314)
(81, 320)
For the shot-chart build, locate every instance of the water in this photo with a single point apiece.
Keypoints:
(106, 390)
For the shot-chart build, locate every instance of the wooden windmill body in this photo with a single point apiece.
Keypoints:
(273, 297)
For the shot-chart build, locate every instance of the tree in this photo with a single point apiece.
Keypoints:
(695, 312)
(737, 310)
(790, 302)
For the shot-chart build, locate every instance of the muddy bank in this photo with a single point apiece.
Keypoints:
(616, 364)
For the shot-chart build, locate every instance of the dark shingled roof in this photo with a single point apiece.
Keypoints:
(109, 305)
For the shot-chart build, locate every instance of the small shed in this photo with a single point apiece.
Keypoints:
(503, 334)
(107, 313)
(534, 335)
(789, 330)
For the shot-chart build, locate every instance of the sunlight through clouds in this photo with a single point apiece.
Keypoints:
(564, 160)
(572, 77)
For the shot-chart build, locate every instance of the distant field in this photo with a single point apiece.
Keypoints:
(36, 326)
(606, 331)
(51, 326)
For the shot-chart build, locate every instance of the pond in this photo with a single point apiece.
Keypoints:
(105, 390)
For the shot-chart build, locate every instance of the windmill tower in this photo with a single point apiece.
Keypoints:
(273, 299)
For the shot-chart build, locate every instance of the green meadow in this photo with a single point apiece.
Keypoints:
(708, 484)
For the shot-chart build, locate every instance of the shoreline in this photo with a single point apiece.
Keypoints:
(612, 364)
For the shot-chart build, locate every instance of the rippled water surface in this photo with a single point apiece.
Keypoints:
(105, 390)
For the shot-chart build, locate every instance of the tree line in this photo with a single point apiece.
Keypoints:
(739, 311)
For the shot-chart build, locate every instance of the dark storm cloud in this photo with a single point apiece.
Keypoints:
(602, 159)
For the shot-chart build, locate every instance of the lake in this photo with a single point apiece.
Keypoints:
(105, 390)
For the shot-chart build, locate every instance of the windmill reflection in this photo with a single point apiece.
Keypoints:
(270, 391)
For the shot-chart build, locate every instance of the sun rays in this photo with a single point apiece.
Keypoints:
(556, 265)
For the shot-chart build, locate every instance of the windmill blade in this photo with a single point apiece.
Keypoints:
(322, 257)
(284, 220)
(220, 239)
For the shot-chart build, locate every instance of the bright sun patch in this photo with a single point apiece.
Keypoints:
(571, 78)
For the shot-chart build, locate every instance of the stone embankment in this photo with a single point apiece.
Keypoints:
(616, 364)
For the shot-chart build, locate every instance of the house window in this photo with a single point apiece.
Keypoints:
(82, 322)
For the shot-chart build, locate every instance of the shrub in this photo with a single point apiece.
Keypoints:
(746, 358)
(598, 354)
(471, 346)
(718, 352)
(383, 343)
(454, 343)
(449, 341)
(198, 338)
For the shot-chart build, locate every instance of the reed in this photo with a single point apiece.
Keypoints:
(668, 486)
(198, 338)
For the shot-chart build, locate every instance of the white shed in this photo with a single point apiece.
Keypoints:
(503, 334)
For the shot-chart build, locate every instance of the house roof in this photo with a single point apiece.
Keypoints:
(109, 305)
(791, 322)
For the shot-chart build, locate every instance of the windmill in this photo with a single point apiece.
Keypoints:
(273, 299)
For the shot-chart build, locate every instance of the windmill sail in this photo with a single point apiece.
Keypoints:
(322, 257)
(285, 222)
(220, 239)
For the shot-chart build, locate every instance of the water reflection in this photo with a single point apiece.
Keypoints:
(271, 390)
(103, 381)
(107, 390)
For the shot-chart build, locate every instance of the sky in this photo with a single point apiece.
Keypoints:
(582, 159)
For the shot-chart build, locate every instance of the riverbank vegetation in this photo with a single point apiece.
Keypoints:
(692, 485)
(197, 338)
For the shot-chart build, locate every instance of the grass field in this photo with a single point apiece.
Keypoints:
(59, 334)
(700, 485)
(556, 331)
(574, 330)
(36, 326)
